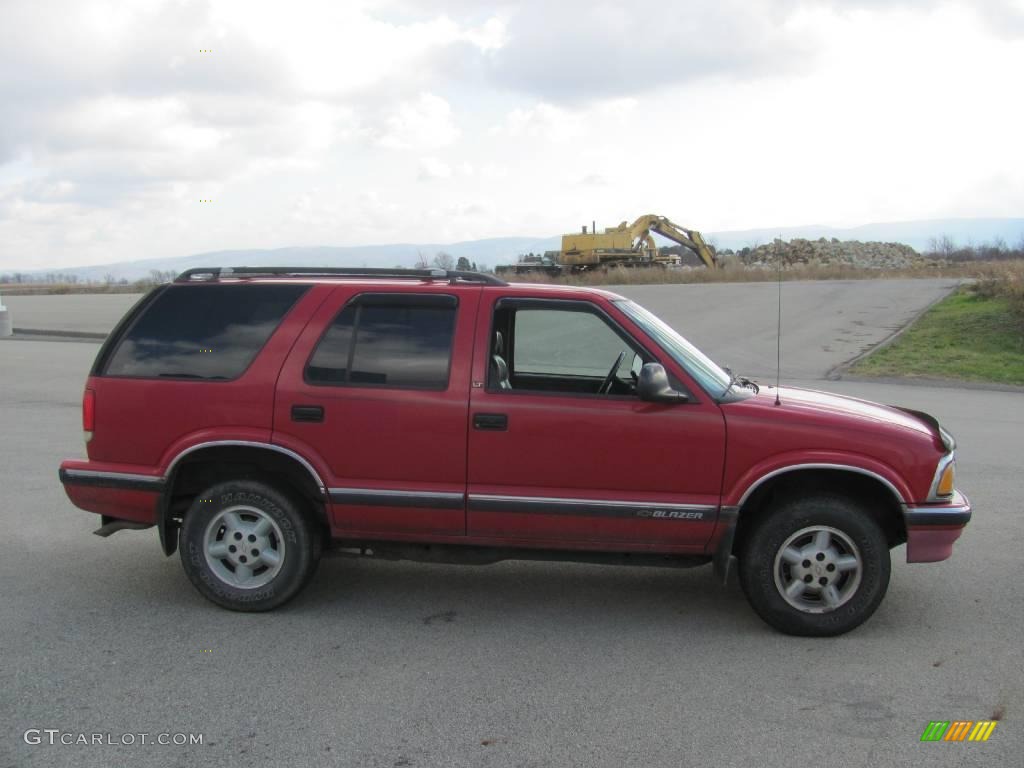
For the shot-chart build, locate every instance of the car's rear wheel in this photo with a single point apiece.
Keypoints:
(247, 546)
(815, 565)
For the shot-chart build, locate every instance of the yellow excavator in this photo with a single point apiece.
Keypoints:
(627, 245)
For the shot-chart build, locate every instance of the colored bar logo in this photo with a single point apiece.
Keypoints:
(958, 730)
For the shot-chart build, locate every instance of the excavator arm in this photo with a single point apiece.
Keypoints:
(688, 238)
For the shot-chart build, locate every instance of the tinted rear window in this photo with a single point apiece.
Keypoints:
(202, 331)
(387, 341)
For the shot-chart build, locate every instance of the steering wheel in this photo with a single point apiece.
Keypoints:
(606, 385)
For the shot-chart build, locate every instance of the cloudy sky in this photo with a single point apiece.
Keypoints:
(351, 122)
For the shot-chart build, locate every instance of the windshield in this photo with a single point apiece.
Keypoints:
(707, 373)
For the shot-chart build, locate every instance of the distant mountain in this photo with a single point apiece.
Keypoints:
(488, 252)
(505, 250)
(916, 234)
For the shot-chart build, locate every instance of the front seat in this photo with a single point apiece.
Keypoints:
(499, 368)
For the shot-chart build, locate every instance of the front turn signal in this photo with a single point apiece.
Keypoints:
(945, 487)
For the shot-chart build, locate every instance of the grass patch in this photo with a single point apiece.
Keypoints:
(967, 336)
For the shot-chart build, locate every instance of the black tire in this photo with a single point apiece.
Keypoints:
(765, 571)
(291, 537)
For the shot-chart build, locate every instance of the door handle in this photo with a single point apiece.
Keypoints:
(495, 422)
(307, 413)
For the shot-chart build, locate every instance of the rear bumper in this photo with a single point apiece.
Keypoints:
(932, 529)
(112, 493)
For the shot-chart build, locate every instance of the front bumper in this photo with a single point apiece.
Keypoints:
(932, 529)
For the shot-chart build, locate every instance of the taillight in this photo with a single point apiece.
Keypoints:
(89, 413)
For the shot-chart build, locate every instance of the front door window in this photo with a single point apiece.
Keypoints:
(573, 351)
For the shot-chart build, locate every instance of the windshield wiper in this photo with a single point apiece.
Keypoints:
(743, 381)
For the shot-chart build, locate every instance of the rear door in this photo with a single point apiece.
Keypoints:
(563, 453)
(380, 397)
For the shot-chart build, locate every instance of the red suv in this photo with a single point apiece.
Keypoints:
(259, 416)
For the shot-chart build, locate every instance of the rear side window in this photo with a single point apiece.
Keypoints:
(202, 331)
(387, 340)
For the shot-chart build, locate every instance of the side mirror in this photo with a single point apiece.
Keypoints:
(654, 387)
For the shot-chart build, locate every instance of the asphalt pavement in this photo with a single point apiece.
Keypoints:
(77, 313)
(515, 664)
(824, 323)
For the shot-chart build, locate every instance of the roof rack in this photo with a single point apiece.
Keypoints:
(197, 274)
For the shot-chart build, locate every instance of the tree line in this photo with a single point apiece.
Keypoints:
(156, 277)
(446, 261)
(945, 247)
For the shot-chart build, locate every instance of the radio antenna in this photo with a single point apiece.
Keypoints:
(778, 329)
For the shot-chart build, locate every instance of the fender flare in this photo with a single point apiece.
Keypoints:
(165, 523)
(723, 558)
(762, 479)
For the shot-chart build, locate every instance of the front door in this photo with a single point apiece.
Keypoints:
(380, 399)
(562, 452)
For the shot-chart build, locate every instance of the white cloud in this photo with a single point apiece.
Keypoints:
(489, 36)
(431, 168)
(424, 123)
(312, 122)
(543, 121)
(578, 50)
(118, 122)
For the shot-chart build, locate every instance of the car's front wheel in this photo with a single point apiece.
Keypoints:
(247, 546)
(815, 565)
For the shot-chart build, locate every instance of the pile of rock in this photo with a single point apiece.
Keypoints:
(834, 252)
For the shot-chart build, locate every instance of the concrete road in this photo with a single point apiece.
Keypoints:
(80, 313)
(823, 323)
(517, 664)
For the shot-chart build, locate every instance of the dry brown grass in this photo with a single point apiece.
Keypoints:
(1004, 277)
(1004, 280)
(999, 271)
(50, 289)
